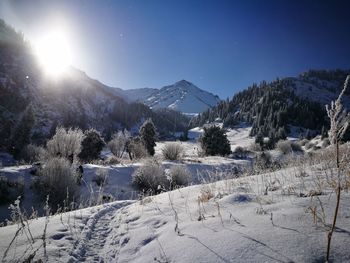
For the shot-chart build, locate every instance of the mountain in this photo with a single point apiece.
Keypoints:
(182, 96)
(284, 106)
(31, 100)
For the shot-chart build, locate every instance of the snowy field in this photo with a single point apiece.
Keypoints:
(226, 221)
(280, 216)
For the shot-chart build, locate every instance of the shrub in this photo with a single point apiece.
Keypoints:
(263, 161)
(57, 180)
(111, 160)
(119, 142)
(148, 136)
(136, 149)
(65, 143)
(284, 146)
(325, 143)
(100, 177)
(309, 145)
(32, 153)
(296, 147)
(150, 177)
(303, 142)
(92, 146)
(214, 141)
(240, 152)
(255, 147)
(179, 176)
(172, 151)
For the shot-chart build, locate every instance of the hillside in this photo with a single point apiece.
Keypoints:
(283, 106)
(29, 98)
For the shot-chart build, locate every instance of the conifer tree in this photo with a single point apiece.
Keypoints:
(148, 136)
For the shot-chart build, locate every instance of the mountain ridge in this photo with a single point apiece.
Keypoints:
(182, 96)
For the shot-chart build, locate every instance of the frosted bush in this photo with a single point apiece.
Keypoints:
(58, 180)
(118, 143)
(172, 151)
(101, 177)
(179, 176)
(137, 149)
(284, 146)
(309, 145)
(150, 177)
(65, 143)
(32, 153)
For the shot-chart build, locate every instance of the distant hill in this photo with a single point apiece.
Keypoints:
(284, 106)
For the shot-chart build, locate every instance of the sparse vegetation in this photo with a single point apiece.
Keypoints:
(119, 143)
(179, 176)
(65, 143)
(136, 149)
(33, 153)
(57, 179)
(150, 178)
(172, 151)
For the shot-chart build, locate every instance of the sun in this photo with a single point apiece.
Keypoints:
(53, 52)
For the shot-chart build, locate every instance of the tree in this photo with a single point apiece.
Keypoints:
(214, 141)
(22, 133)
(91, 146)
(148, 136)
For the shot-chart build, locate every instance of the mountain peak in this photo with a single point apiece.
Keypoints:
(183, 82)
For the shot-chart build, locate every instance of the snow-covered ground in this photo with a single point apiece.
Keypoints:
(281, 216)
(226, 221)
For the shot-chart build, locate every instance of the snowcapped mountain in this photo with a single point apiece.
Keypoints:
(182, 96)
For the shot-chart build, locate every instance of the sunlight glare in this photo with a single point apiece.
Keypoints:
(53, 52)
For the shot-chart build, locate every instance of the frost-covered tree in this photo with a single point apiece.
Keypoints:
(148, 135)
(119, 143)
(214, 141)
(92, 146)
(65, 143)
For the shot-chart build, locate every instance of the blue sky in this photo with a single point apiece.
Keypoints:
(220, 46)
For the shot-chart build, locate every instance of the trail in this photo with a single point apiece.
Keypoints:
(91, 246)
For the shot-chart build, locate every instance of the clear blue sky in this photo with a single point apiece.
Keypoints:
(221, 46)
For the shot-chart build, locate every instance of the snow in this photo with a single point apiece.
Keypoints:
(220, 218)
(238, 224)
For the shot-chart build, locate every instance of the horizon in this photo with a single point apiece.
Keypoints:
(220, 47)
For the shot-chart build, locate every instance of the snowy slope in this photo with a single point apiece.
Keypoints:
(182, 96)
(138, 94)
(319, 90)
(238, 223)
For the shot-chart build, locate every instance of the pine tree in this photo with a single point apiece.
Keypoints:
(214, 141)
(148, 135)
(92, 145)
